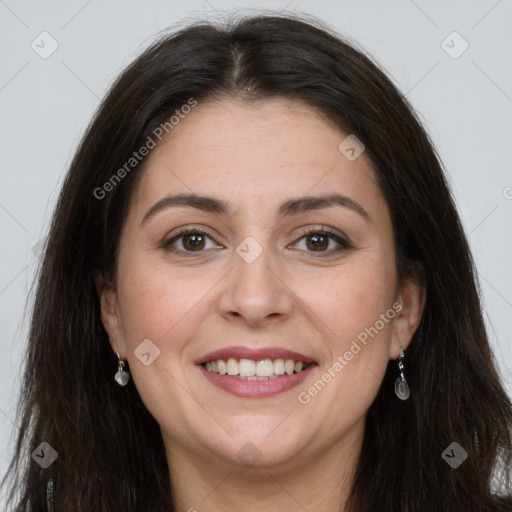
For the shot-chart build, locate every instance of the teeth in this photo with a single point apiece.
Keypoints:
(289, 366)
(255, 377)
(247, 369)
(232, 366)
(265, 368)
(221, 365)
(279, 366)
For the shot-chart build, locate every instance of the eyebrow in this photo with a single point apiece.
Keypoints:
(288, 208)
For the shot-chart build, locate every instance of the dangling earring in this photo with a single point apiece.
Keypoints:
(122, 376)
(401, 386)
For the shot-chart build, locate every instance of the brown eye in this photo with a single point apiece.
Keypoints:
(318, 240)
(191, 240)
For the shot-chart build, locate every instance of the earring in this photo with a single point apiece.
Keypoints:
(122, 376)
(401, 386)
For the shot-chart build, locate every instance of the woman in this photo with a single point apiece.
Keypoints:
(257, 295)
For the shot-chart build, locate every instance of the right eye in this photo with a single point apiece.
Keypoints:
(192, 240)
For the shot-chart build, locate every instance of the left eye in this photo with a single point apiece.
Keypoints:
(318, 241)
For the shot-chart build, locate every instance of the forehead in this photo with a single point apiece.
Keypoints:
(254, 154)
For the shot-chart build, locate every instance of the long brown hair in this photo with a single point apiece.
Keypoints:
(110, 449)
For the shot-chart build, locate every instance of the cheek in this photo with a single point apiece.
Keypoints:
(353, 309)
(161, 306)
(350, 299)
(156, 303)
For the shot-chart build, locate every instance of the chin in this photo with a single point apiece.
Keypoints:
(260, 446)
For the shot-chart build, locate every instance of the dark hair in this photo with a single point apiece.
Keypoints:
(110, 449)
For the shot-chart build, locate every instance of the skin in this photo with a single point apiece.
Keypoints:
(256, 156)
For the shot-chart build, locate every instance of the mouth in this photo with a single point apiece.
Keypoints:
(255, 373)
(250, 370)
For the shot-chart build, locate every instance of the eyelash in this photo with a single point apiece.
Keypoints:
(344, 244)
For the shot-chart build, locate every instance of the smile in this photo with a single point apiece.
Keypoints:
(256, 379)
(247, 369)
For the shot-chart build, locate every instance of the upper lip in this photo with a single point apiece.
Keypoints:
(256, 354)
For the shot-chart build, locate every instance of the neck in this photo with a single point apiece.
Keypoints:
(314, 481)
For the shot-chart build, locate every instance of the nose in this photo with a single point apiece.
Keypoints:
(256, 289)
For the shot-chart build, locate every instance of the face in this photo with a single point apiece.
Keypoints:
(261, 274)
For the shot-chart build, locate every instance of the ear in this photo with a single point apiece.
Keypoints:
(411, 296)
(110, 314)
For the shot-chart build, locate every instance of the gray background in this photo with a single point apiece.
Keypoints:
(46, 104)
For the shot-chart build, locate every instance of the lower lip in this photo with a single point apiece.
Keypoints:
(257, 388)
